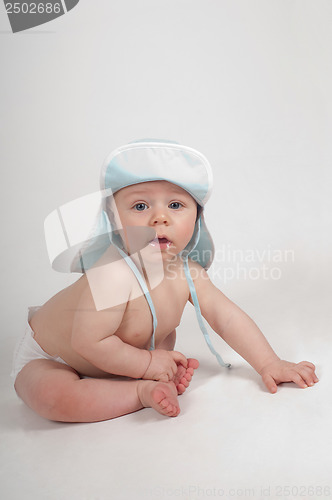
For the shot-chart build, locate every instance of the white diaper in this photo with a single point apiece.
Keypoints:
(27, 349)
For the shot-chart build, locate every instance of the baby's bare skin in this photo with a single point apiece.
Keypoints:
(160, 396)
(55, 322)
(67, 314)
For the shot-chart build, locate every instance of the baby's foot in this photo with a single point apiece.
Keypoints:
(159, 395)
(184, 375)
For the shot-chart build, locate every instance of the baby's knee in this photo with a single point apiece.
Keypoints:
(45, 390)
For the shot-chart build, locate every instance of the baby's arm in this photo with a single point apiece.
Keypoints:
(93, 338)
(244, 336)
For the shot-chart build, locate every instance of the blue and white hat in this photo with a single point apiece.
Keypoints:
(75, 246)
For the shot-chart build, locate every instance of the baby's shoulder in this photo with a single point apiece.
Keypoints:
(107, 284)
(110, 284)
(197, 271)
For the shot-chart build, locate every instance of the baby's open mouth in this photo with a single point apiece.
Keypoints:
(161, 242)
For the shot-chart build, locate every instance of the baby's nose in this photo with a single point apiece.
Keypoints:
(160, 218)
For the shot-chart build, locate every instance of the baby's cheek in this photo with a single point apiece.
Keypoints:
(188, 231)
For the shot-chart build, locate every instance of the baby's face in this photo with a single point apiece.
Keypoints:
(166, 209)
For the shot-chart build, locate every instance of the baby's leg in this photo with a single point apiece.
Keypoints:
(56, 392)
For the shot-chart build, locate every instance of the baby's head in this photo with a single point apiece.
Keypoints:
(156, 214)
(154, 184)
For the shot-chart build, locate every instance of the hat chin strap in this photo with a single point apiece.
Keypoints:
(193, 294)
(192, 289)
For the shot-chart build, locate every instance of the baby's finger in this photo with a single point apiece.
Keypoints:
(312, 369)
(298, 380)
(270, 383)
(308, 375)
(179, 358)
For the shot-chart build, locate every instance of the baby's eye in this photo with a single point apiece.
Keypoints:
(175, 205)
(140, 207)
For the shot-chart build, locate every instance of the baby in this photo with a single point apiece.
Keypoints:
(103, 347)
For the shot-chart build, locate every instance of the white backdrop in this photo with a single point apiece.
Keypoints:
(248, 83)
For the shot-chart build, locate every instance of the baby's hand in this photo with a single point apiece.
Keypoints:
(163, 365)
(303, 374)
